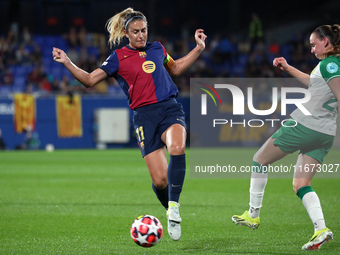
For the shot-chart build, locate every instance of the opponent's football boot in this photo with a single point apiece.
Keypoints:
(246, 220)
(318, 239)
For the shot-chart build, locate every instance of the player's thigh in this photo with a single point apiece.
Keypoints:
(156, 162)
(174, 138)
(268, 153)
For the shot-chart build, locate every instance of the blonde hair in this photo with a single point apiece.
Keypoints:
(119, 22)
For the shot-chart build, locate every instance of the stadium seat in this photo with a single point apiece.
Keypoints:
(57, 73)
(93, 50)
(286, 51)
(55, 41)
(39, 39)
(238, 71)
(242, 59)
(28, 69)
(68, 74)
(19, 70)
(47, 60)
(5, 90)
(47, 51)
(20, 81)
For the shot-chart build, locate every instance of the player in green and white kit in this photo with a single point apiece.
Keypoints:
(312, 136)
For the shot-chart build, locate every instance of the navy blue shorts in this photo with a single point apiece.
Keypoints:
(152, 120)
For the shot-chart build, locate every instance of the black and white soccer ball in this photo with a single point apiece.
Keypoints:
(146, 231)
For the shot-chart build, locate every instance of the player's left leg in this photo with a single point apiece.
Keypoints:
(302, 187)
(174, 138)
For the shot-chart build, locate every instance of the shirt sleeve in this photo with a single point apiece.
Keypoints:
(168, 60)
(164, 51)
(111, 64)
(330, 68)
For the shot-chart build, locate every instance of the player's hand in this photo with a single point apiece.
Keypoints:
(200, 38)
(281, 63)
(59, 56)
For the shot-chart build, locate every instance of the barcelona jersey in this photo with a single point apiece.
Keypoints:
(141, 74)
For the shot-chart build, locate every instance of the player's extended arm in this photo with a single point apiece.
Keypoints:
(334, 84)
(85, 78)
(282, 64)
(185, 62)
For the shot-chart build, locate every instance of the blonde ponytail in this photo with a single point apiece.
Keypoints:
(116, 24)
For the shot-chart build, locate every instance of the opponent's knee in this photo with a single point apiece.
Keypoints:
(299, 183)
(295, 187)
(260, 160)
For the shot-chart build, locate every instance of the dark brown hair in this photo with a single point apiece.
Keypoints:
(332, 33)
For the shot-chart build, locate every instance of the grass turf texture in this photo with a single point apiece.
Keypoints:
(84, 202)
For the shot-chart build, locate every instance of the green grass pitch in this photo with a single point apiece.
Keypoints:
(84, 202)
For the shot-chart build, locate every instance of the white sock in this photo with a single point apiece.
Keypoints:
(312, 204)
(258, 183)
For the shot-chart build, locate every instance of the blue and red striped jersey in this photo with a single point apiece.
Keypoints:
(141, 74)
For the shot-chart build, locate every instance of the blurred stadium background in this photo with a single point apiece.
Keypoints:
(39, 95)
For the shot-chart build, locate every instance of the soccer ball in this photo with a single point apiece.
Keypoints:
(146, 231)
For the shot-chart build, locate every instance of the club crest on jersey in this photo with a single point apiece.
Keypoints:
(149, 66)
(332, 67)
(142, 54)
(141, 145)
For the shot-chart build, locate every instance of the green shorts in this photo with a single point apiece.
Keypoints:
(304, 140)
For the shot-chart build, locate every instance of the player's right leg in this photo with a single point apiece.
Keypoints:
(267, 154)
(156, 162)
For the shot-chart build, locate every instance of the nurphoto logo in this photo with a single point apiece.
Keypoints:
(204, 98)
(238, 102)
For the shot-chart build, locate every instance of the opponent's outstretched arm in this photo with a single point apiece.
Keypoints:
(282, 64)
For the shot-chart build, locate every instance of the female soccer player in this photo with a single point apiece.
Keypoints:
(143, 71)
(313, 135)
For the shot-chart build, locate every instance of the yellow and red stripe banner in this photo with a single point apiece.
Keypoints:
(69, 120)
(25, 112)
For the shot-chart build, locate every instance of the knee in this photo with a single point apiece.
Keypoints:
(255, 158)
(176, 149)
(260, 160)
(299, 183)
(160, 182)
(295, 186)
